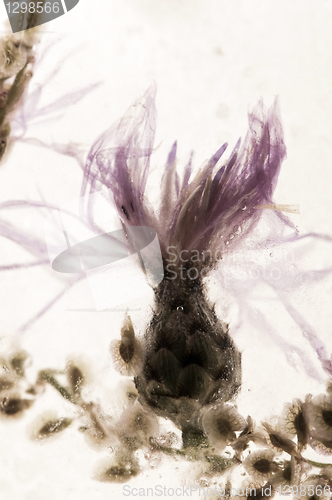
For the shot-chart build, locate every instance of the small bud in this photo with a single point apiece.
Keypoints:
(127, 352)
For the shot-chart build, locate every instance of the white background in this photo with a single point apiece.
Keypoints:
(211, 59)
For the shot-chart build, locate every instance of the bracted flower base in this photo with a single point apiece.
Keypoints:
(190, 359)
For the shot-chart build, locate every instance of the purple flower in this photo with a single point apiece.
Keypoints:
(205, 214)
(220, 201)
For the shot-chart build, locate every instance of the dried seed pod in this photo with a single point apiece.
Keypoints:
(127, 352)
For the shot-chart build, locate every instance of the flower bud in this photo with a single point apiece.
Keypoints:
(127, 352)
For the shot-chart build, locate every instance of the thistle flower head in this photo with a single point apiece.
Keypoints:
(220, 201)
(190, 361)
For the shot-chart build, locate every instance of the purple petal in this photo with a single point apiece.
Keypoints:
(120, 159)
(249, 179)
